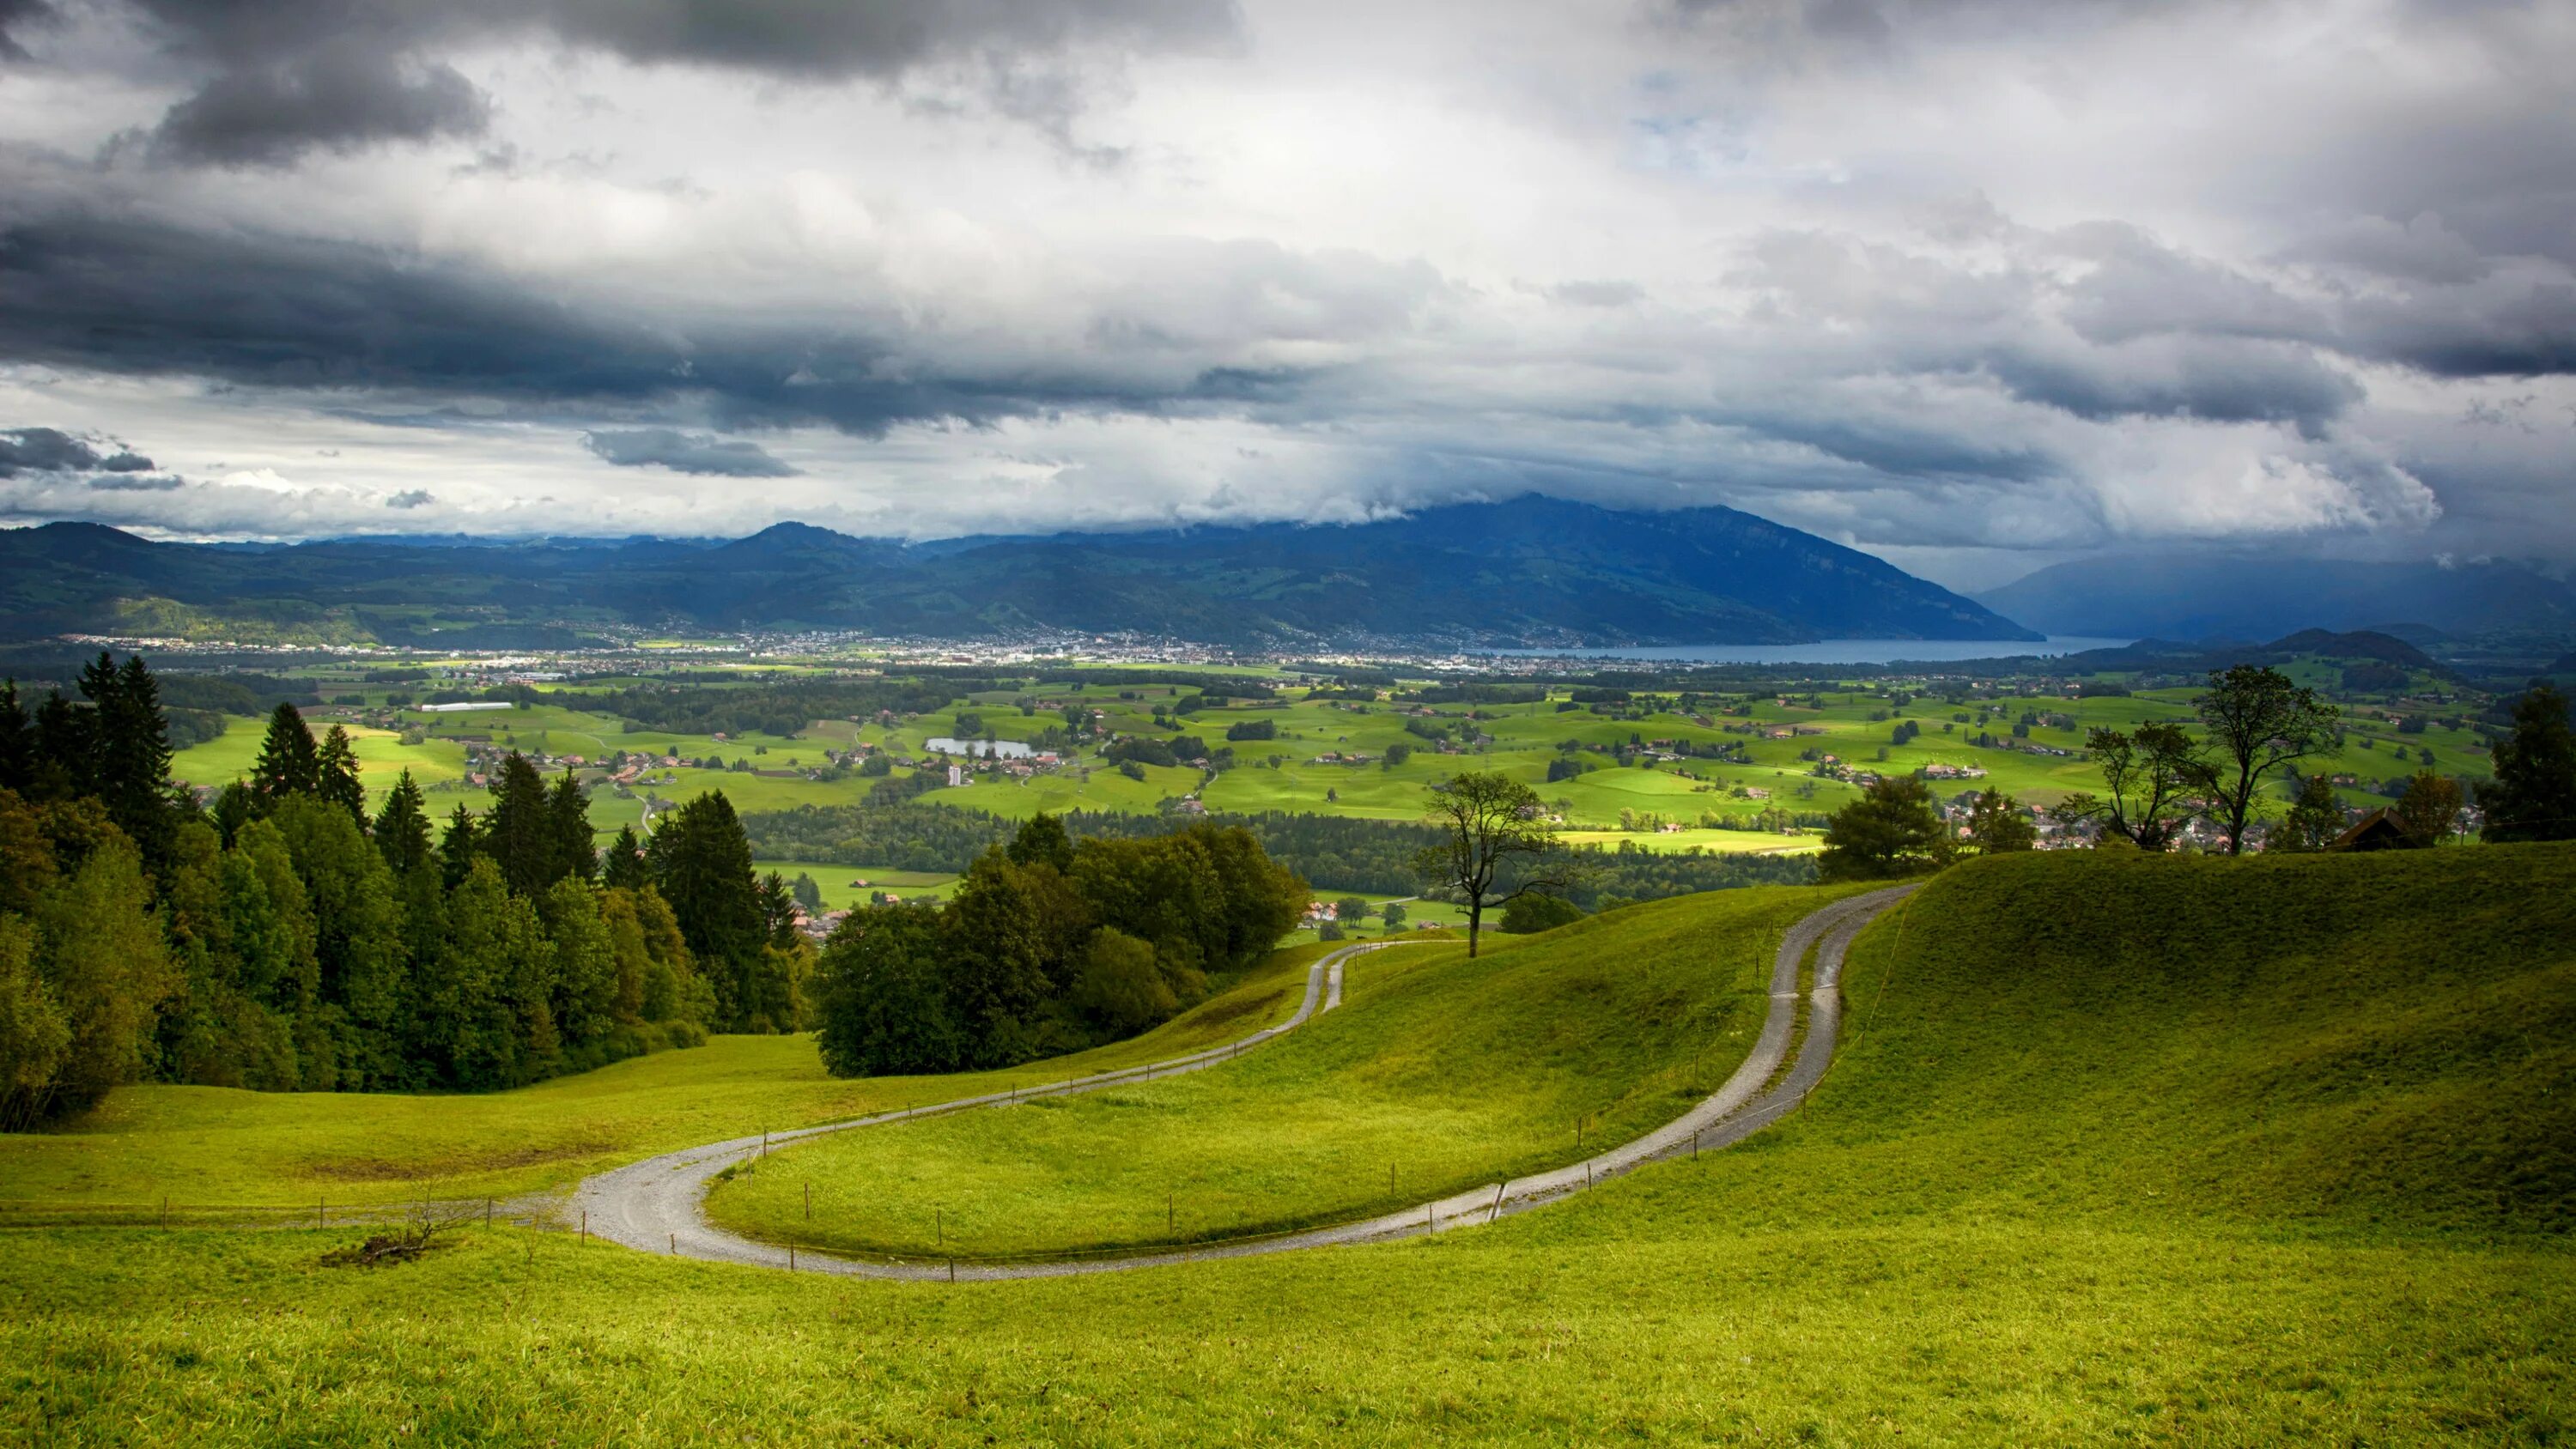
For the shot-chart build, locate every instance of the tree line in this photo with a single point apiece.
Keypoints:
(1048, 946)
(1333, 851)
(286, 939)
(2258, 725)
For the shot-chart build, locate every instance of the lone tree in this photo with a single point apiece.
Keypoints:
(2430, 807)
(2533, 794)
(2315, 818)
(1891, 830)
(2258, 722)
(1996, 824)
(1490, 821)
(2145, 772)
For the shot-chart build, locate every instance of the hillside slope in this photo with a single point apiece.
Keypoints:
(2359, 1043)
(2096, 1169)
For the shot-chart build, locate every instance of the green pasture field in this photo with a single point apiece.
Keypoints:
(1437, 1074)
(839, 894)
(1524, 738)
(212, 1148)
(382, 757)
(2072, 1181)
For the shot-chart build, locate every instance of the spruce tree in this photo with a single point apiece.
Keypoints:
(624, 868)
(519, 831)
(17, 740)
(288, 762)
(129, 743)
(335, 770)
(701, 863)
(402, 829)
(459, 847)
(568, 822)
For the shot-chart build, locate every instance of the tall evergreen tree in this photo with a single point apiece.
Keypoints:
(568, 823)
(65, 753)
(701, 863)
(402, 827)
(129, 753)
(623, 867)
(459, 847)
(519, 830)
(335, 774)
(17, 741)
(288, 762)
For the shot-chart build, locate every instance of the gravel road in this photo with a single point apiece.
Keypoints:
(657, 1205)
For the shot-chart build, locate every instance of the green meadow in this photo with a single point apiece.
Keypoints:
(1438, 1074)
(2120, 1149)
(210, 1149)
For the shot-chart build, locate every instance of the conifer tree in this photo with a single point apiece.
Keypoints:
(568, 822)
(623, 867)
(518, 831)
(129, 743)
(459, 847)
(402, 828)
(288, 762)
(701, 864)
(335, 770)
(17, 740)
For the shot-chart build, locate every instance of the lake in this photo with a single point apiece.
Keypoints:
(1836, 651)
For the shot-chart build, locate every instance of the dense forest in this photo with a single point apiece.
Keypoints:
(286, 940)
(1335, 852)
(1049, 946)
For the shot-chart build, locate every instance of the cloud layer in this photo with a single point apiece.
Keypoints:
(1977, 288)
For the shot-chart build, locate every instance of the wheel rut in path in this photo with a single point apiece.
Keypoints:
(658, 1205)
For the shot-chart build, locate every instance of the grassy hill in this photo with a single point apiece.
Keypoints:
(1437, 1074)
(2122, 1150)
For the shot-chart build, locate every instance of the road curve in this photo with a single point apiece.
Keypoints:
(657, 1205)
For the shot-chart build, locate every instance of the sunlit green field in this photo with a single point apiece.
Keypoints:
(2071, 1182)
(1438, 1074)
(382, 757)
(207, 1148)
(839, 888)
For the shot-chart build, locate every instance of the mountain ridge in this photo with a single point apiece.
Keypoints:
(1532, 571)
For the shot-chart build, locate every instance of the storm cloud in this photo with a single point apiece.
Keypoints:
(698, 453)
(1962, 282)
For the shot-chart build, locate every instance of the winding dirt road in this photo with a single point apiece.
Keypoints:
(657, 1205)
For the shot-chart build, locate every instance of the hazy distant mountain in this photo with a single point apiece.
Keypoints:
(2233, 597)
(1533, 571)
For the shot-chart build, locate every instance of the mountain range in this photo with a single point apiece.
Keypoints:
(1532, 572)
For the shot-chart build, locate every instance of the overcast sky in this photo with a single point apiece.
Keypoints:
(1975, 286)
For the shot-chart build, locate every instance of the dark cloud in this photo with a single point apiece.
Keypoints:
(700, 453)
(136, 483)
(16, 15)
(412, 498)
(2221, 380)
(51, 450)
(297, 75)
(136, 297)
(340, 98)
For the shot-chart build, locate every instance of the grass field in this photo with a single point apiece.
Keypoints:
(209, 1148)
(840, 894)
(2101, 1165)
(1439, 1073)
